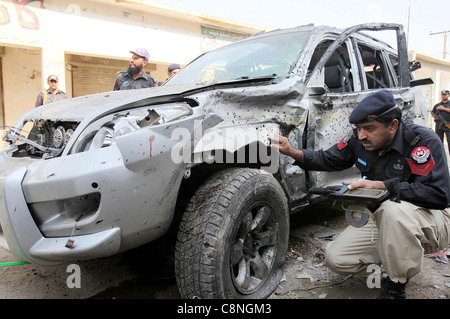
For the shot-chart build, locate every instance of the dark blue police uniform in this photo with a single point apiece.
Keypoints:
(125, 81)
(441, 128)
(414, 168)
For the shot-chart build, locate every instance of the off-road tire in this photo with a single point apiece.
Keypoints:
(233, 237)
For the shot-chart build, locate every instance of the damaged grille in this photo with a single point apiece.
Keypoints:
(45, 139)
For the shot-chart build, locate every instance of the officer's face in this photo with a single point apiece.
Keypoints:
(137, 63)
(53, 84)
(444, 97)
(376, 136)
(173, 72)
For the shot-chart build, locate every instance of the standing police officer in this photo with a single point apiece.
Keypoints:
(135, 77)
(52, 94)
(410, 162)
(443, 109)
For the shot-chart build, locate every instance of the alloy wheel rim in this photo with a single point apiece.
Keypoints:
(254, 248)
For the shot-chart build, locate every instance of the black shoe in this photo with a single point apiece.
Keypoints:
(393, 290)
(384, 277)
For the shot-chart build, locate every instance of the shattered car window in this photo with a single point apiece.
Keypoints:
(270, 56)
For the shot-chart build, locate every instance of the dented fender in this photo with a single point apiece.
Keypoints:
(166, 144)
(232, 139)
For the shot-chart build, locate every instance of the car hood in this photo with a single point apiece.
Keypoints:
(97, 105)
(92, 107)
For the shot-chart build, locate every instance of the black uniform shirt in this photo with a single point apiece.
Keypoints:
(125, 81)
(414, 168)
(445, 115)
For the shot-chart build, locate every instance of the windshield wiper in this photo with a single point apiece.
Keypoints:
(241, 79)
(262, 77)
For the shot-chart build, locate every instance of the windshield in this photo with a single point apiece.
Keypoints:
(272, 55)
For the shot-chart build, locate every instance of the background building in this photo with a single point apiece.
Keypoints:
(435, 68)
(86, 43)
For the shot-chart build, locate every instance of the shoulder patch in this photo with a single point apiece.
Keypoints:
(421, 155)
(421, 161)
(343, 142)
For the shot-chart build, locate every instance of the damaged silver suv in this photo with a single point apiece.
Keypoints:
(93, 176)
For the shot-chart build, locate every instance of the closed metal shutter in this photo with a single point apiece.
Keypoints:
(92, 79)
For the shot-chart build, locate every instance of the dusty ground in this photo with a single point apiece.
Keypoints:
(307, 277)
(147, 272)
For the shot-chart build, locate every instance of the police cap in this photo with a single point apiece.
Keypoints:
(373, 106)
(142, 53)
(52, 78)
(173, 66)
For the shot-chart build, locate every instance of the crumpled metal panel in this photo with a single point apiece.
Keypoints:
(251, 114)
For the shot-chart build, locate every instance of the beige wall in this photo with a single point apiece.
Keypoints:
(436, 69)
(21, 81)
(91, 28)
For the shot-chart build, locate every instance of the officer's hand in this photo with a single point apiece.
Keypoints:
(282, 144)
(367, 184)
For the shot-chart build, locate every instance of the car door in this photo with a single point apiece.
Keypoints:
(344, 71)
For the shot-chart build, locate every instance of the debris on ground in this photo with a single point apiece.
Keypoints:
(439, 256)
(325, 235)
(308, 277)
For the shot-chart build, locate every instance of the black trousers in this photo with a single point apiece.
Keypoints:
(440, 133)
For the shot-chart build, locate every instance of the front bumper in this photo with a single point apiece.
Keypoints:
(135, 199)
(26, 241)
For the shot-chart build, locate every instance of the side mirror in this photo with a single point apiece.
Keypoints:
(425, 81)
(317, 90)
(316, 83)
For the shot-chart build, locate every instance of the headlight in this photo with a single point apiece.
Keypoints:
(126, 125)
(103, 138)
(103, 132)
(106, 135)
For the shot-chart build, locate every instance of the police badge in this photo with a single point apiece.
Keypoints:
(343, 142)
(421, 161)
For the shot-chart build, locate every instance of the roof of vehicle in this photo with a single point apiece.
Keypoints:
(317, 29)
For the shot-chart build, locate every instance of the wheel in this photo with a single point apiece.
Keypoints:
(233, 237)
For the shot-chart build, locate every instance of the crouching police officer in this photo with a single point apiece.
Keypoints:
(410, 162)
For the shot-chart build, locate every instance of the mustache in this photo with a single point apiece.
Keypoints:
(366, 141)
